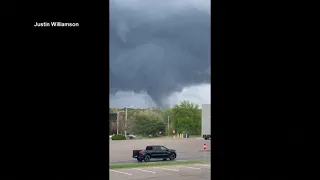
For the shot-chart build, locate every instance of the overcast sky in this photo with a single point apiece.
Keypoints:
(159, 52)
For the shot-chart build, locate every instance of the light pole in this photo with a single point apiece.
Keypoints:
(168, 124)
(125, 124)
(118, 118)
(117, 123)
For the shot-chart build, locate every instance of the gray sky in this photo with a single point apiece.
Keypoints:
(197, 94)
(159, 52)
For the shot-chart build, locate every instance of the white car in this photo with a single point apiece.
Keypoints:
(132, 135)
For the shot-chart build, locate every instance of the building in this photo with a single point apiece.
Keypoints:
(112, 116)
(205, 119)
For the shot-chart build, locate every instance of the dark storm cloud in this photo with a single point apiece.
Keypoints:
(159, 47)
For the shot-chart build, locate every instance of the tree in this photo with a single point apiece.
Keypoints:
(120, 114)
(112, 121)
(165, 114)
(186, 117)
(148, 122)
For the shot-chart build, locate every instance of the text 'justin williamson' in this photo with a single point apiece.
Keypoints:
(56, 24)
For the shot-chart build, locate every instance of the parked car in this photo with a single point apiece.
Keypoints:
(132, 136)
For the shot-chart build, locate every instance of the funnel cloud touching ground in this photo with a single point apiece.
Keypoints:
(159, 50)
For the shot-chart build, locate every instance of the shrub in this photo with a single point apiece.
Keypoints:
(118, 137)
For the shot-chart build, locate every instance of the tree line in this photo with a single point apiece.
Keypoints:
(182, 118)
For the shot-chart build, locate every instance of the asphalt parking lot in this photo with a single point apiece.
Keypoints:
(187, 149)
(174, 172)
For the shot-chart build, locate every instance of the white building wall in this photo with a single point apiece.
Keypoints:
(206, 119)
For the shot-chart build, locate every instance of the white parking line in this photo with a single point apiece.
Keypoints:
(189, 167)
(121, 172)
(143, 170)
(166, 169)
(205, 165)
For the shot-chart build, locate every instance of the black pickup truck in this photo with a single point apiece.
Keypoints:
(154, 152)
(206, 136)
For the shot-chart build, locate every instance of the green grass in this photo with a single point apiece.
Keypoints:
(162, 163)
(195, 136)
(148, 137)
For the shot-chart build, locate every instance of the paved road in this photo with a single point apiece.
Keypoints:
(206, 156)
(178, 172)
(121, 151)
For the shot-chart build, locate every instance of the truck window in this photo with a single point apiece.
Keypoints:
(149, 148)
(163, 148)
(156, 148)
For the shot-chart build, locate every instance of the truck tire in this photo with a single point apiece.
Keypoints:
(172, 156)
(147, 158)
